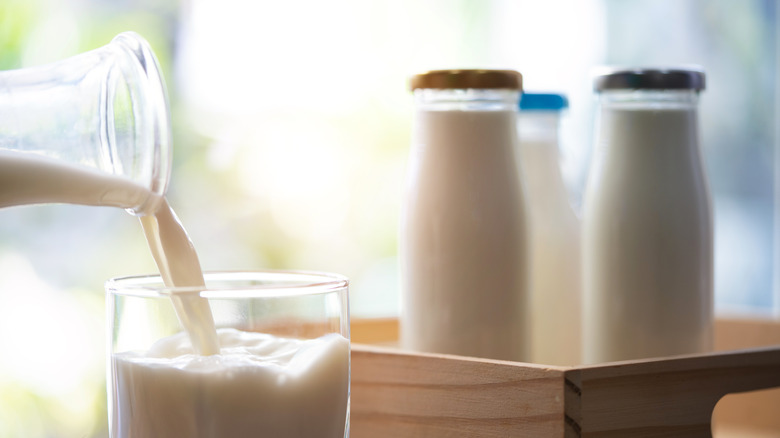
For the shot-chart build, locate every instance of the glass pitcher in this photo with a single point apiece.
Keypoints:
(93, 129)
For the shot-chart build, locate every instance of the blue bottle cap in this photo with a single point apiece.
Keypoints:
(543, 102)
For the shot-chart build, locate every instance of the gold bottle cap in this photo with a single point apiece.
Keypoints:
(464, 79)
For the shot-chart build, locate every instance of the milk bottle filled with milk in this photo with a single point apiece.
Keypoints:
(462, 231)
(554, 234)
(648, 237)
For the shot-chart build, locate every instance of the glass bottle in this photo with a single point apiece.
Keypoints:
(648, 236)
(554, 234)
(92, 129)
(462, 236)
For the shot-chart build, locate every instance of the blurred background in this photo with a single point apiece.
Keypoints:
(291, 126)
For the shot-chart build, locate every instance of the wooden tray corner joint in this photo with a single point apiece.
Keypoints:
(397, 393)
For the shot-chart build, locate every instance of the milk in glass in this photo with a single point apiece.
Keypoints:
(257, 385)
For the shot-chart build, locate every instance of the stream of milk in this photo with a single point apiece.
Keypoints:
(29, 178)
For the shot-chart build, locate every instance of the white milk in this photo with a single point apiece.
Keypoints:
(555, 244)
(27, 178)
(179, 267)
(462, 237)
(647, 242)
(258, 385)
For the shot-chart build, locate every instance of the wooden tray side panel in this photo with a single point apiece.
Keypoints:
(665, 397)
(397, 394)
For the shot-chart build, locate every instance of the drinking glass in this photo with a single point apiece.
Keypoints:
(282, 371)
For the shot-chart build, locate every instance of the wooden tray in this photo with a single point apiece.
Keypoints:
(397, 393)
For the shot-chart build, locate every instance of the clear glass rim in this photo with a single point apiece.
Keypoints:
(466, 99)
(233, 284)
(649, 99)
(145, 79)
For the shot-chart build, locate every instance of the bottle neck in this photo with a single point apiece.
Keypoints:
(428, 99)
(648, 132)
(539, 160)
(649, 99)
(538, 126)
